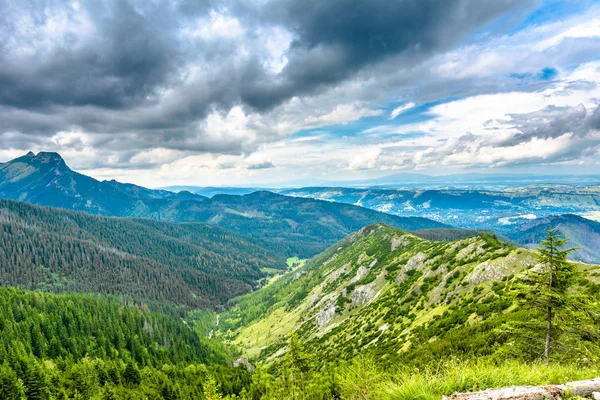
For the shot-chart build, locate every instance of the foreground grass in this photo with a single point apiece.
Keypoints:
(479, 375)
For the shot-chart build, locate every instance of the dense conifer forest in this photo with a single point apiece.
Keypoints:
(63, 251)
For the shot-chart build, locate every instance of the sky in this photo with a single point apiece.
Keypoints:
(276, 92)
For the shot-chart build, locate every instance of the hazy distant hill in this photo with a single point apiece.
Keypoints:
(499, 210)
(308, 226)
(66, 251)
(210, 191)
(289, 226)
(583, 233)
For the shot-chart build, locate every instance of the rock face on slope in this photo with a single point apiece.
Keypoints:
(243, 362)
(413, 263)
(363, 295)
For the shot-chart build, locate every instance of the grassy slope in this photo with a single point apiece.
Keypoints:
(392, 293)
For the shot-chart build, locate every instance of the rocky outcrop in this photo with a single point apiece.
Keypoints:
(415, 262)
(363, 295)
(362, 271)
(325, 314)
(398, 242)
(495, 270)
(313, 300)
(244, 363)
(338, 272)
(474, 249)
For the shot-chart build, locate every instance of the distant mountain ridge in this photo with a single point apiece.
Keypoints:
(499, 210)
(408, 180)
(286, 225)
(45, 179)
(583, 234)
(211, 191)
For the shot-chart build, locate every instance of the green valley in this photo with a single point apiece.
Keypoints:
(382, 314)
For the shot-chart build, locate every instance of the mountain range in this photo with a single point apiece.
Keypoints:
(408, 180)
(499, 210)
(291, 226)
(141, 275)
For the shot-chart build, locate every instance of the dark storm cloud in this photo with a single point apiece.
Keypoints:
(124, 59)
(104, 68)
(335, 39)
(550, 123)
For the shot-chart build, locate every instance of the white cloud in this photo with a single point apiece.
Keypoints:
(341, 114)
(217, 25)
(68, 25)
(366, 159)
(527, 51)
(155, 157)
(400, 109)
(275, 42)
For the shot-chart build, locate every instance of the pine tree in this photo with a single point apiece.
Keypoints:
(9, 384)
(297, 357)
(211, 389)
(168, 392)
(37, 342)
(109, 393)
(35, 383)
(558, 315)
(554, 280)
(132, 375)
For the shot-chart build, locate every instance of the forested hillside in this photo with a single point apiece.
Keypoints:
(303, 227)
(98, 347)
(62, 251)
(373, 314)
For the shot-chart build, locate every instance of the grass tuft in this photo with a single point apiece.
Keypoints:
(456, 376)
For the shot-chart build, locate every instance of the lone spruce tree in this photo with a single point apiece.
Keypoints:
(554, 280)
